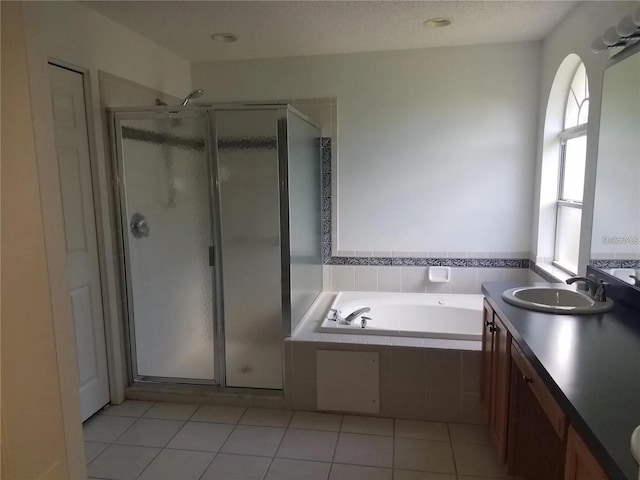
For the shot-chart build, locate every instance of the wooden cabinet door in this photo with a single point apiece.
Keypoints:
(487, 359)
(580, 463)
(500, 389)
(535, 449)
(555, 415)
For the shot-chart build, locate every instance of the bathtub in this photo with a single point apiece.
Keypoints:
(427, 315)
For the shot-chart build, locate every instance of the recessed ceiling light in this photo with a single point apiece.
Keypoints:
(224, 37)
(437, 22)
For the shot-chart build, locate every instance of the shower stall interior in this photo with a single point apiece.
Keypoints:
(219, 216)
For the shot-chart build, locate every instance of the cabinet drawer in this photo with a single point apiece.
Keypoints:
(551, 408)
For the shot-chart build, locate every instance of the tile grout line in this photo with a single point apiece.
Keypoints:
(235, 425)
(147, 466)
(287, 428)
(104, 409)
(393, 451)
(113, 442)
(165, 445)
(161, 449)
(453, 453)
(335, 449)
(216, 453)
(110, 444)
(277, 448)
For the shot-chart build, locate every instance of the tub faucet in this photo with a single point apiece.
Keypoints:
(596, 287)
(352, 316)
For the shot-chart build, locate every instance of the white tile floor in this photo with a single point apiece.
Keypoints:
(172, 441)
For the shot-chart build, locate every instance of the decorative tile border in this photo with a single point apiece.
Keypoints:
(326, 200)
(610, 263)
(431, 262)
(400, 261)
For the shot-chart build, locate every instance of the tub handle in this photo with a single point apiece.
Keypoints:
(333, 314)
(364, 321)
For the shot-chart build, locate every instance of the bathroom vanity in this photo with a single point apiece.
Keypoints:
(561, 392)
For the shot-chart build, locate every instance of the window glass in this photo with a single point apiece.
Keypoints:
(577, 110)
(575, 152)
(568, 237)
(572, 172)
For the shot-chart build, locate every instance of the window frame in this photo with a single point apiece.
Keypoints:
(564, 136)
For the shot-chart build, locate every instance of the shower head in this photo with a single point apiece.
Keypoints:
(195, 94)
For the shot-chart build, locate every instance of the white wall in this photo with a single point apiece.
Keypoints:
(436, 146)
(80, 37)
(41, 433)
(574, 35)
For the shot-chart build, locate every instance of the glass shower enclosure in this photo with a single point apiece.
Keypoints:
(219, 215)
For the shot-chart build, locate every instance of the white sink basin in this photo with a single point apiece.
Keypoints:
(555, 299)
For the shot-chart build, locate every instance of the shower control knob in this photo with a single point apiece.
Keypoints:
(139, 226)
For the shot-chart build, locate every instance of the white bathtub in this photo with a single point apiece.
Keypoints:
(428, 315)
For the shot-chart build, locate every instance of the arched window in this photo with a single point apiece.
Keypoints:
(577, 109)
(573, 152)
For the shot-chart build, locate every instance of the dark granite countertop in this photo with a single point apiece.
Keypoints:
(591, 365)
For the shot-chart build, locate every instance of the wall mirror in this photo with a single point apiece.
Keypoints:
(615, 242)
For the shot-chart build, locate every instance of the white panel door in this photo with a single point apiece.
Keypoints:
(69, 112)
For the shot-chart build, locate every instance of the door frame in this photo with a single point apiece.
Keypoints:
(100, 192)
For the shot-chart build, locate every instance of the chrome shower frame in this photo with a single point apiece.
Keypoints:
(116, 116)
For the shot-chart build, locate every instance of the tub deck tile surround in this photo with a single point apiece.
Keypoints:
(420, 378)
(371, 278)
(307, 446)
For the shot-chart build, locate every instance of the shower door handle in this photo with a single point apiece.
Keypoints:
(212, 256)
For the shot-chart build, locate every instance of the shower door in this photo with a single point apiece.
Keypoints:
(249, 182)
(165, 200)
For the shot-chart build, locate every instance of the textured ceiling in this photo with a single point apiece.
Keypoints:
(280, 29)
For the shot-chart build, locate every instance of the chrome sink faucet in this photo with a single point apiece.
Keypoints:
(596, 287)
